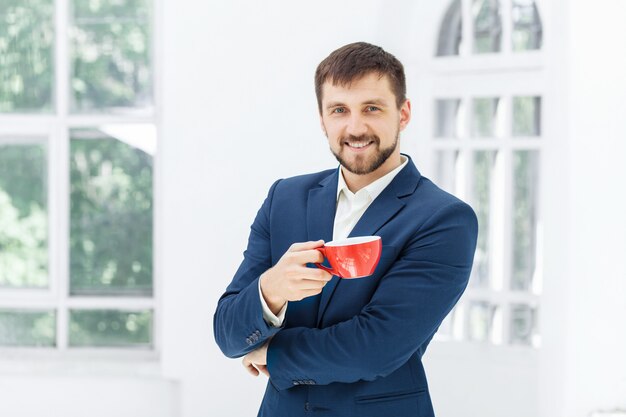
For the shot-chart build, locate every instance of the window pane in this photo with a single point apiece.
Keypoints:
(27, 328)
(527, 29)
(481, 320)
(23, 215)
(525, 206)
(487, 26)
(526, 116)
(485, 118)
(110, 328)
(111, 55)
(111, 211)
(450, 33)
(448, 118)
(524, 325)
(26, 55)
(481, 191)
(446, 170)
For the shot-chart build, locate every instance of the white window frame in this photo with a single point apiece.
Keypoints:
(54, 129)
(466, 76)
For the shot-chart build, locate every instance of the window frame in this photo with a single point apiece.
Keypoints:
(469, 75)
(54, 128)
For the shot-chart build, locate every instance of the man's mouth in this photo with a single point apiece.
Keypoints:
(358, 145)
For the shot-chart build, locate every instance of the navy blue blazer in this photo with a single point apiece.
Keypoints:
(356, 348)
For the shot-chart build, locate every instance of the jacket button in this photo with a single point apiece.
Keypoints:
(248, 341)
(258, 333)
(296, 383)
(307, 406)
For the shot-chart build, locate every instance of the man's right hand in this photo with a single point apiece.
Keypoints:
(290, 279)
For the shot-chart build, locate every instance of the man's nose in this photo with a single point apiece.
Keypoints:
(356, 125)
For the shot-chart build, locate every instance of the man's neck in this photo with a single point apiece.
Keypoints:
(356, 182)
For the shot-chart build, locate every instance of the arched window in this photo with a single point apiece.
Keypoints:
(486, 143)
(495, 25)
(450, 34)
(527, 29)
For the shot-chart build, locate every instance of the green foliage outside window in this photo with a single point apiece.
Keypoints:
(27, 328)
(23, 216)
(110, 328)
(110, 180)
(111, 217)
(111, 54)
(26, 55)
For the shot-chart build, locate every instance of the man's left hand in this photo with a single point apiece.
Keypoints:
(256, 361)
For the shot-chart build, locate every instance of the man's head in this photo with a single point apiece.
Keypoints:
(355, 60)
(361, 93)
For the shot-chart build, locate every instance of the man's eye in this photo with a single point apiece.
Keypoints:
(372, 108)
(339, 110)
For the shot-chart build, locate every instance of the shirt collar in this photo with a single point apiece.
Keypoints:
(375, 188)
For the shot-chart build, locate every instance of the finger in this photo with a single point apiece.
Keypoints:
(263, 370)
(315, 274)
(312, 284)
(248, 365)
(253, 371)
(300, 246)
(309, 256)
(309, 293)
(258, 368)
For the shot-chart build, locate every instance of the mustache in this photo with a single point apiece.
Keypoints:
(360, 139)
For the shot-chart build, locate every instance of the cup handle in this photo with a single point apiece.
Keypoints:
(320, 266)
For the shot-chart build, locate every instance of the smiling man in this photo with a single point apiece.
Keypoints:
(338, 347)
(363, 122)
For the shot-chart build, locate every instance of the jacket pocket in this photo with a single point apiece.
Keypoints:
(389, 396)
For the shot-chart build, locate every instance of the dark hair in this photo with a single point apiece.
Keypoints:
(355, 60)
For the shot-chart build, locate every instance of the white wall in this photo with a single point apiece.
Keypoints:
(595, 358)
(240, 112)
(58, 395)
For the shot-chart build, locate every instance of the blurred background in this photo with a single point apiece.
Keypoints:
(138, 138)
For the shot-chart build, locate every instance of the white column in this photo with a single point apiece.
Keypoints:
(584, 362)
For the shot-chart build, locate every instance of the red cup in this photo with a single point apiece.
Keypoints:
(354, 257)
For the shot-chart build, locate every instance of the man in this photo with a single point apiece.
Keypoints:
(349, 347)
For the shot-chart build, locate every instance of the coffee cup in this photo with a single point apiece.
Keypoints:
(353, 257)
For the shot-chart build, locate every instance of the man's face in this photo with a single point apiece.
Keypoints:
(362, 122)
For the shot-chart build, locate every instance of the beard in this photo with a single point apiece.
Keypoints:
(363, 164)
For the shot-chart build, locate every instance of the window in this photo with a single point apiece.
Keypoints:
(78, 141)
(486, 144)
(487, 26)
(494, 26)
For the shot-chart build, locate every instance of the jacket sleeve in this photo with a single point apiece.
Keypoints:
(238, 323)
(411, 301)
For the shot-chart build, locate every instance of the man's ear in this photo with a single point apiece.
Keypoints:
(405, 114)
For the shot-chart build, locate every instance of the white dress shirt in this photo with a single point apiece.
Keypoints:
(350, 208)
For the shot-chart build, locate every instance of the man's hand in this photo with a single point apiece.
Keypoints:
(290, 279)
(256, 361)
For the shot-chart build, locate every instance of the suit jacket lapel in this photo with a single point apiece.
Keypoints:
(320, 215)
(386, 205)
